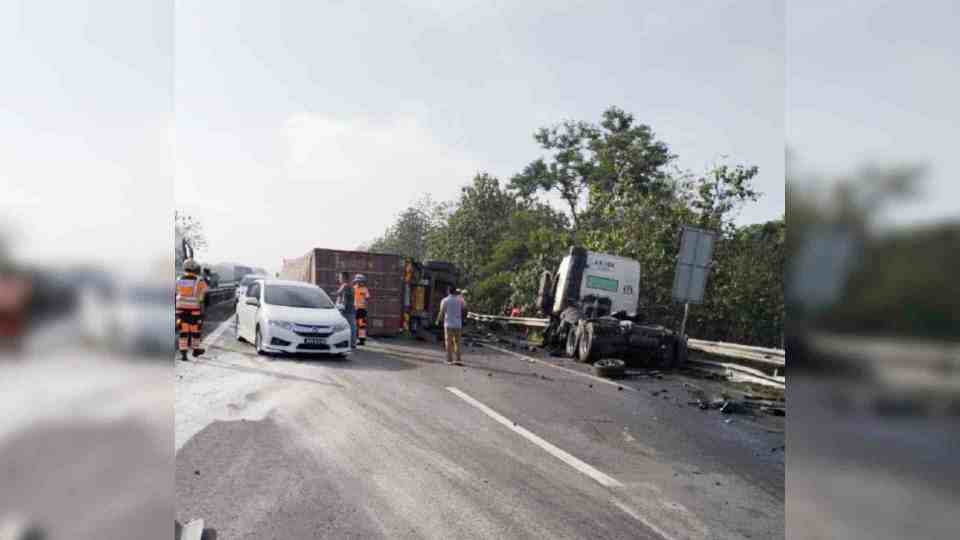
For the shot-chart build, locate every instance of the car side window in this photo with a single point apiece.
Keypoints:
(253, 291)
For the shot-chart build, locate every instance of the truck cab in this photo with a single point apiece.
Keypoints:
(593, 303)
(600, 284)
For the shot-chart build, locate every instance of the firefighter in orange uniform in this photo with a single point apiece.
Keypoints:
(191, 294)
(361, 297)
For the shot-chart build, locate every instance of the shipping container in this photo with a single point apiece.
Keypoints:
(385, 279)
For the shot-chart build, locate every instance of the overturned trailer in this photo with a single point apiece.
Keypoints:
(404, 294)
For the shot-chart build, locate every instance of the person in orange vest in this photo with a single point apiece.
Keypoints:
(191, 295)
(361, 298)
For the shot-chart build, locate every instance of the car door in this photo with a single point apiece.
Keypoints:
(249, 313)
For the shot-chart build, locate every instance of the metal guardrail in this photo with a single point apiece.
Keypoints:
(530, 322)
(774, 358)
(219, 295)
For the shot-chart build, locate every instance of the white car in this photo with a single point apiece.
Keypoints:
(293, 317)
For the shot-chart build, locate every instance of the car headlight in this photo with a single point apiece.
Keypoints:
(340, 326)
(282, 324)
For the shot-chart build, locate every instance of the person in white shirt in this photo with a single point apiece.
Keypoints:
(452, 310)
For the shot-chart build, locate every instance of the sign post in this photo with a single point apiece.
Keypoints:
(693, 266)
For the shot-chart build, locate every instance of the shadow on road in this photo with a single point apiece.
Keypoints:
(359, 361)
(268, 372)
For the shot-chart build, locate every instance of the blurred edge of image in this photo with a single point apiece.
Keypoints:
(871, 283)
(86, 269)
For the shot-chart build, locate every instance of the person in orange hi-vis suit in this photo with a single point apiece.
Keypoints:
(191, 294)
(361, 298)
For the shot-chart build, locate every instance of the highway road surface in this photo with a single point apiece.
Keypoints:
(393, 443)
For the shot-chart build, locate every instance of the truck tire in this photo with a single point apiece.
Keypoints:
(587, 346)
(681, 353)
(573, 339)
(610, 368)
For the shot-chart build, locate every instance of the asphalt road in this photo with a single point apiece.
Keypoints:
(392, 443)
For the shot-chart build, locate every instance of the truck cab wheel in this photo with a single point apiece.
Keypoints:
(680, 354)
(573, 339)
(587, 346)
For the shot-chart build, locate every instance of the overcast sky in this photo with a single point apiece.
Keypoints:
(311, 124)
(877, 82)
(290, 125)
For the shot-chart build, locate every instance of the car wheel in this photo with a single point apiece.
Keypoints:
(587, 347)
(236, 326)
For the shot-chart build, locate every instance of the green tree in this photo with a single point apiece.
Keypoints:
(189, 227)
(473, 225)
(533, 240)
(408, 235)
(600, 163)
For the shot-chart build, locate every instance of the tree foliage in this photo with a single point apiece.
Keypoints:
(621, 194)
(189, 227)
(410, 233)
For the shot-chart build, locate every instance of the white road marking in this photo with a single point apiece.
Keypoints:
(635, 515)
(562, 455)
(216, 333)
(561, 368)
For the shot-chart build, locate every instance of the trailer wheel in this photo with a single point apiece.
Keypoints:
(610, 368)
(587, 346)
(573, 340)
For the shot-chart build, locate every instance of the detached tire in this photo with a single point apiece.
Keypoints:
(587, 346)
(610, 368)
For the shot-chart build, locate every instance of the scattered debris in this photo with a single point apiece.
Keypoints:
(775, 411)
(196, 472)
(731, 407)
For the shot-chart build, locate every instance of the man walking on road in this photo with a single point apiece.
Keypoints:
(452, 310)
(346, 303)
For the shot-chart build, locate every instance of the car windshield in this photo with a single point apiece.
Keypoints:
(296, 296)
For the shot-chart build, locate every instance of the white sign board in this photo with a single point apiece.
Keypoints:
(693, 265)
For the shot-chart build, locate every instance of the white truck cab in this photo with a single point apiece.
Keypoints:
(593, 302)
(606, 283)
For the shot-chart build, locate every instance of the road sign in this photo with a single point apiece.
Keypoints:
(822, 266)
(693, 265)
